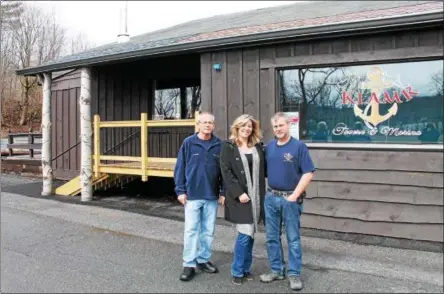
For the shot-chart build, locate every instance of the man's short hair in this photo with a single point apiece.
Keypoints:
(205, 112)
(279, 115)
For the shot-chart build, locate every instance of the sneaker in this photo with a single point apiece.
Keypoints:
(295, 283)
(248, 277)
(270, 277)
(237, 281)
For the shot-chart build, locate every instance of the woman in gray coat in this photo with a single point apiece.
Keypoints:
(243, 170)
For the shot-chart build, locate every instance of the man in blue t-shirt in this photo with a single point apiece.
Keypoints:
(290, 170)
(198, 182)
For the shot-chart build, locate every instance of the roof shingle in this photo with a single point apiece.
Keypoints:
(280, 18)
(358, 16)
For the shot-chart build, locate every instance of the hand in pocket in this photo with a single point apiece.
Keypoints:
(292, 198)
(244, 198)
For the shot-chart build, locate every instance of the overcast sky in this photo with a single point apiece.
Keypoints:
(100, 19)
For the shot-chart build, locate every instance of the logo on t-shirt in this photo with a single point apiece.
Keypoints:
(288, 157)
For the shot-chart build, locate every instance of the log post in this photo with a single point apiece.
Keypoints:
(46, 135)
(85, 135)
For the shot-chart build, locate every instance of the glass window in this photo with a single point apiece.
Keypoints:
(193, 101)
(383, 103)
(168, 103)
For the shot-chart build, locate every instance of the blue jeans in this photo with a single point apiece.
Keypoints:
(200, 224)
(243, 255)
(277, 211)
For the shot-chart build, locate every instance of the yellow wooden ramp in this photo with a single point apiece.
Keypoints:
(104, 181)
(128, 167)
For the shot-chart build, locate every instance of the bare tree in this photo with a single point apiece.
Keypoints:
(284, 90)
(10, 12)
(51, 40)
(25, 34)
(79, 43)
(5, 61)
(437, 83)
(315, 92)
(195, 102)
(166, 102)
(37, 38)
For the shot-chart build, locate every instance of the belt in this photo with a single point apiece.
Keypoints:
(283, 193)
(279, 193)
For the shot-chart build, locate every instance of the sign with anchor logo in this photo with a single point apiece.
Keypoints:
(378, 87)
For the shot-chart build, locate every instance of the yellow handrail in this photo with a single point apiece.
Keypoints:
(144, 124)
(144, 145)
(96, 145)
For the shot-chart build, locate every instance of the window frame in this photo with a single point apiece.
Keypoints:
(357, 146)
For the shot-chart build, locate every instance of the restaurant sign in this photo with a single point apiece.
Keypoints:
(377, 86)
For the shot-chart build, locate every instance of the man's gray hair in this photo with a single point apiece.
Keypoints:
(206, 112)
(279, 115)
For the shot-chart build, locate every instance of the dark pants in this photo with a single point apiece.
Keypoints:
(277, 211)
(243, 255)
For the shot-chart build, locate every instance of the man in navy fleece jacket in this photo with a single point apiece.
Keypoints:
(198, 182)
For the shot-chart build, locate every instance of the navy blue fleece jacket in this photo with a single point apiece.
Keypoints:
(197, 171)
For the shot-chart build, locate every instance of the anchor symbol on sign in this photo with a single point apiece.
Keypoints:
(376, 84)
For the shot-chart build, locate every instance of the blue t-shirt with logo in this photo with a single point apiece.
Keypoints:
(287, 163)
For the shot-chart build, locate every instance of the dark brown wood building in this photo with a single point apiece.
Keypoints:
(378, 149)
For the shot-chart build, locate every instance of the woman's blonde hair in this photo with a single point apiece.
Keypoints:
(241, 121)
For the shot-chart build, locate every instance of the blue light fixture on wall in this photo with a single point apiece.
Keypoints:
(217, 67)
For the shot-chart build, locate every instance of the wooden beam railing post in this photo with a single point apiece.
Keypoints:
(96, 145)
(144, 145)
(144, 125)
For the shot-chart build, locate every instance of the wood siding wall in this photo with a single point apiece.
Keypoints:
(124, 92)
(121, 96)
(65, 115)
(119, 92)
(247, 81)
(378, 193)
(241, 87)
(390, 194)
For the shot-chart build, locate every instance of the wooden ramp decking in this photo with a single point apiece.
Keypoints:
(156, 167)
(111, 174)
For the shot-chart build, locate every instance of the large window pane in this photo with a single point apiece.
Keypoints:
(193, 101)
(168, 103)
(384, 103)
